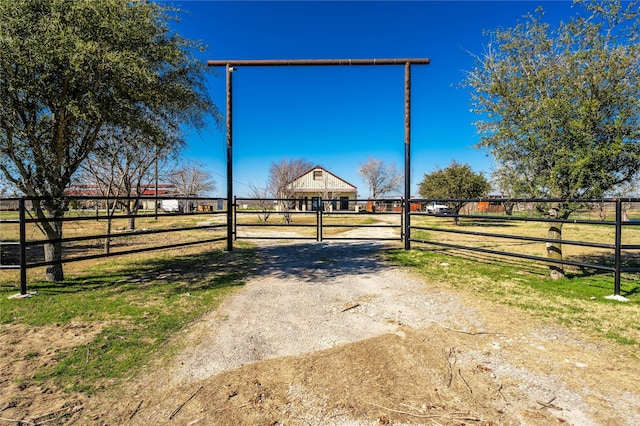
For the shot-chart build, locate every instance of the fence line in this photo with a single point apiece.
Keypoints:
(418, 219)
(293, 207)
(491, 217)
(184, 206)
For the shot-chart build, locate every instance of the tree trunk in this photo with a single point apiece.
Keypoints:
(508, 207)
(53, 252)
(130, 208)
(554, 250)
(456, 219)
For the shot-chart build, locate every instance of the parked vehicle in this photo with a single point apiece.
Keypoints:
(170, 206)
(435, 208)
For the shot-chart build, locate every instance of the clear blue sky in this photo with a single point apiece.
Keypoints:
(337, 117)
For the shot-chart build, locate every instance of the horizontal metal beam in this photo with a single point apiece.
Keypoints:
(302, 62)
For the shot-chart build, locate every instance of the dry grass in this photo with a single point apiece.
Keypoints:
(122, 240)
(602, 234)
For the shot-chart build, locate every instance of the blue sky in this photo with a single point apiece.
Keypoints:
(338, 117)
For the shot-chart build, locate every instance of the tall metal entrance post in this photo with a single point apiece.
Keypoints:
(407, 62)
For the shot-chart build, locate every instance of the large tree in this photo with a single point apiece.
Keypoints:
(456, 181)
(381, 177)
(282, 174)
(68, 69)
(561, 107)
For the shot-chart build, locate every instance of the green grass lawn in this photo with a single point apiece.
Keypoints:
(577, 301)
(140, 304)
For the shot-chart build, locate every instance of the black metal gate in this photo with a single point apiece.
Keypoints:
(318, 219)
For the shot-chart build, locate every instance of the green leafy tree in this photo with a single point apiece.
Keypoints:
(561, 107)
(457, 181)
(70, 69)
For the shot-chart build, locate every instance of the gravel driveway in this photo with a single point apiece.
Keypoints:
(313, 296)
(330, 334)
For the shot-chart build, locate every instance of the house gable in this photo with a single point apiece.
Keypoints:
(319, 179)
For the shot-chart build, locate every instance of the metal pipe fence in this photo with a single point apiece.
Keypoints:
(491, 213)
(180, 207)
(614, 246)
(317, 216)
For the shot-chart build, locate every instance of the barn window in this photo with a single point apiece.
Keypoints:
(317, 174)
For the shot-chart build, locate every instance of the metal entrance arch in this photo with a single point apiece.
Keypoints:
(407, 62)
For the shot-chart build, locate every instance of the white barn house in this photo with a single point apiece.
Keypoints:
(318, 183)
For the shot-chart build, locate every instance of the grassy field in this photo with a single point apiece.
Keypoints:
(135, 305)
(441, 228)
(121, 238)
(10, 231)
(577, 301)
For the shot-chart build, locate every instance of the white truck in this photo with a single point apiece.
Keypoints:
(435, 208)
(170, 206)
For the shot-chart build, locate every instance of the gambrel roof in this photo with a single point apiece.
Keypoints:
(320, 179)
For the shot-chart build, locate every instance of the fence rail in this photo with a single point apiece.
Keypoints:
(615, 243)
(180, 207)
(474, 215)
(318, 217)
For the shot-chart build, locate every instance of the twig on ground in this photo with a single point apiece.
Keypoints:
(448, 358)
(35, 419)
(549, 404)
(448, 416)
(137, 409)
(350, 307)
(500, 392)
(472, 333)
(174, 412)
(465, 382)
(409, 406)
(59, 413)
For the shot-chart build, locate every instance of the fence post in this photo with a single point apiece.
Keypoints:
(229, 138)
(23, 247)
(319, 219)
(231, 211)
(618, 249)
(235, 218)
(402, 210)
(407, 154)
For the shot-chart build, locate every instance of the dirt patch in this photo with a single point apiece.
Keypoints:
(330, 334)
(25, 350)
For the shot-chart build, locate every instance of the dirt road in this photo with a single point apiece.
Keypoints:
(330, 334)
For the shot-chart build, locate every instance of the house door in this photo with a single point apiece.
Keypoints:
(344, 203)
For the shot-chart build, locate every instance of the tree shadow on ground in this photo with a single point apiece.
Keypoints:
(631, 281)
(207, 270)
(316, 261)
